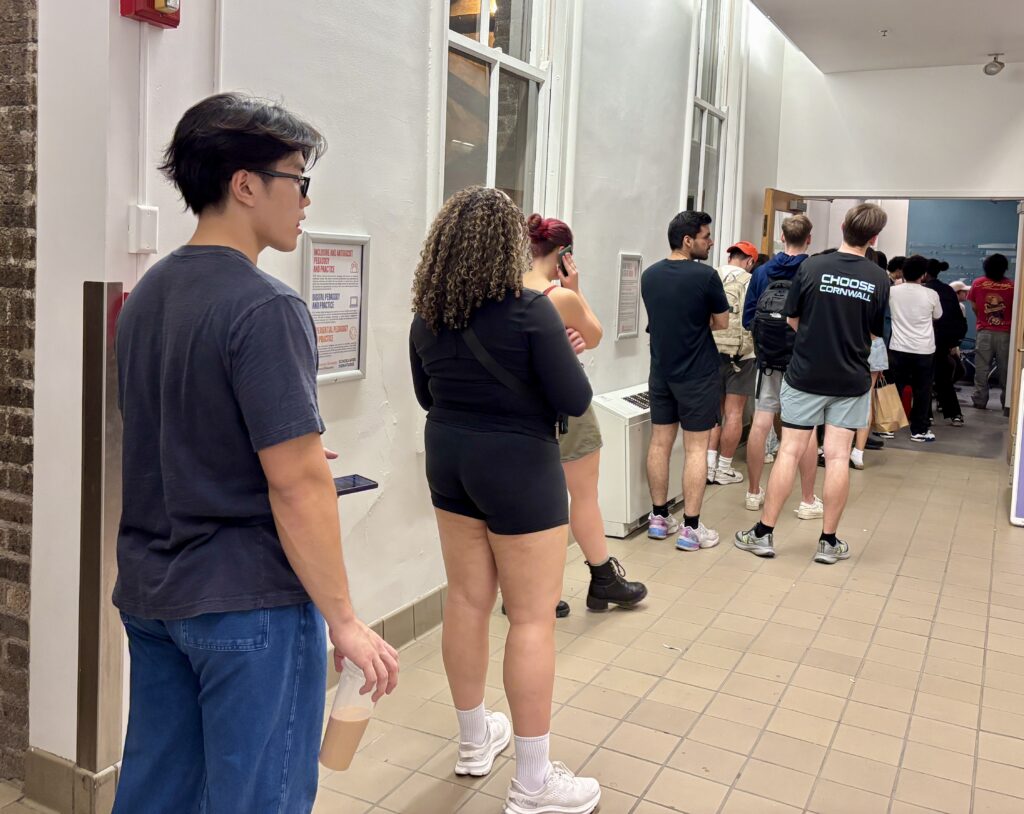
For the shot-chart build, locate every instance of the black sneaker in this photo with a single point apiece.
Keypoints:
(956, 421)
(874, 443)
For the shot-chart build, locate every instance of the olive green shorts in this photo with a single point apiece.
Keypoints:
(584, 437)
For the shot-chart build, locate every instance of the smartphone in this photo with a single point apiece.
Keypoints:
(350, 484)
(561, 254)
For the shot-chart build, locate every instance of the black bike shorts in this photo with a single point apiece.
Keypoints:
(512, 481)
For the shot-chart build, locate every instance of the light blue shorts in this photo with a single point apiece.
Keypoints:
(802, 410)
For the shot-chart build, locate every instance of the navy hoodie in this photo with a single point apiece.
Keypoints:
(781, 267)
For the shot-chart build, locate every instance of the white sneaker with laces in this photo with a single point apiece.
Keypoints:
(562, 793)
(755, 502)
(811, 511)
(477, 761)
(727, 476)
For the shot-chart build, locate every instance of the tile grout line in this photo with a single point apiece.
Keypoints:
(924, 664)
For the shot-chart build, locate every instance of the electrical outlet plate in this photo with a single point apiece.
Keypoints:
(143, 229)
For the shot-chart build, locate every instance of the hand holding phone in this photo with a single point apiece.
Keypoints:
(566, 250)
(570, 274)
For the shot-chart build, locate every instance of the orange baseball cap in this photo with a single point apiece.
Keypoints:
(749, 249)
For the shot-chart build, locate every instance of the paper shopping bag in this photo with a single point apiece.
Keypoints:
(888, 414)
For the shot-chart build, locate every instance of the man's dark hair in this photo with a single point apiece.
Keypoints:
(896, 264)
(881, 259)
(762, 258)
(686, 224)
(229, 132)
(915, 267)
(737, 253)
(995, 266)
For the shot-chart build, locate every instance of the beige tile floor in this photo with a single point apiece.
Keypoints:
(12, 802)
(890, 683)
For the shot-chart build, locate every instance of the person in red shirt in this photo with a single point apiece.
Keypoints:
(991, 297)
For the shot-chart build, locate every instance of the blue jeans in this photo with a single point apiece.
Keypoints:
(226, 713)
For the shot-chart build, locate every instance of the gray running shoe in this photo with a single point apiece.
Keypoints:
(831, 554)
(761, 546)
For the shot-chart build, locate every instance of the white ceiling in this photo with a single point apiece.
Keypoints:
(845, 35)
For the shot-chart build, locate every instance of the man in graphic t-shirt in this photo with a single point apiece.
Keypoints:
(992, 299)
(685, 302)
(836, 305)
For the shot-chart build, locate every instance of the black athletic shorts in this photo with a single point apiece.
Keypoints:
(695, 404)
(512, 481)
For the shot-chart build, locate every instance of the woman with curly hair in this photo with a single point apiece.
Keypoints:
(493, 367)
(580, 447)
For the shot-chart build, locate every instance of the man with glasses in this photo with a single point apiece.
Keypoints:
(229, 550)
(685, 302)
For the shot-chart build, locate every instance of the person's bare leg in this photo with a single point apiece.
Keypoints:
(472, 589)
(792, 446)
(695, 445)
(809, 469)
(756, 441)
(663, 436)
(732, 425)
(584, 512)
(862, 434)
(530, 569)
(837, 475)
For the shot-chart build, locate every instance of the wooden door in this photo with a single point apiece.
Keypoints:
(777, 202)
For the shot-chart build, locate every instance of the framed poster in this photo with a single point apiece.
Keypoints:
(334, 284)
(628, 321)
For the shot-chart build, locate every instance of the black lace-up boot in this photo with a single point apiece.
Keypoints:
(608, 584)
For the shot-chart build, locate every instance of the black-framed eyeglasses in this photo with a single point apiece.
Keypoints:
(302, 179)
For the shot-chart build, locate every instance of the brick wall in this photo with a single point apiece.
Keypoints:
(18, 26)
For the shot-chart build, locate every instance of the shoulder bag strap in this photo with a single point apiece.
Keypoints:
(491, 365)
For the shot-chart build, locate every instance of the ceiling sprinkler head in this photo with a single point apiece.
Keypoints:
(885, 33)
(995, 66)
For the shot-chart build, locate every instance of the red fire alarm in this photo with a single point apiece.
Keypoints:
(161, 13)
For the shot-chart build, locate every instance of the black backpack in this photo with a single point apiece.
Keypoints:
(773, 338)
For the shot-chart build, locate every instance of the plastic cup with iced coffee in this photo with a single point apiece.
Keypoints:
(350, 715)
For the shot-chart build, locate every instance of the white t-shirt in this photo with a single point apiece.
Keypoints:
(913, 308)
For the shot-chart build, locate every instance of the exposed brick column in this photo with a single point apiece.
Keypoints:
(18, 41)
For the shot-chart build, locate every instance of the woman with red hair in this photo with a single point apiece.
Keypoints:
(580, 448)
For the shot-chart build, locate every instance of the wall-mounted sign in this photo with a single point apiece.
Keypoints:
(334, 283)
(628, 321)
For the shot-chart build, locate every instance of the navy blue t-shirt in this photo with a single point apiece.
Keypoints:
(216, 360)
(680, 296)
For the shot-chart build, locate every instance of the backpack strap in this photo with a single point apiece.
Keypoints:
(550, 288)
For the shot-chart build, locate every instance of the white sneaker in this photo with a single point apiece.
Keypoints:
(477, 761)
(923, 437)
(811, 511)
(727, 476)
(562, 793)
(661, 528)
(755, 502)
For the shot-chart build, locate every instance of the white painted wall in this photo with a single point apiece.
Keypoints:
(628, 160)
(929, 132)
(893, 240)
(762, 111)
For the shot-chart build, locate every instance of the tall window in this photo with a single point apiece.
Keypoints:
(709, 115)
(495, 87)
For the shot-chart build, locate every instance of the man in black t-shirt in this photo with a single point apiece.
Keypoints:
(685, 302)
(836, 305)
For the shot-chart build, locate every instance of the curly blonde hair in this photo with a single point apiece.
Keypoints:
(476, 250)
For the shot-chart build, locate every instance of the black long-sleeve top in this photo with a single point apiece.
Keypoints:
(525, 335)
(951, 327)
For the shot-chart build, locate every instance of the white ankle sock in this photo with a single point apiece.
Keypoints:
(724, 463)
(472, 725)
(857, 456)
(712, 459)
(533, 761)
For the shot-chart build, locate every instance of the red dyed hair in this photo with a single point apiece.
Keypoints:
(547, 234)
